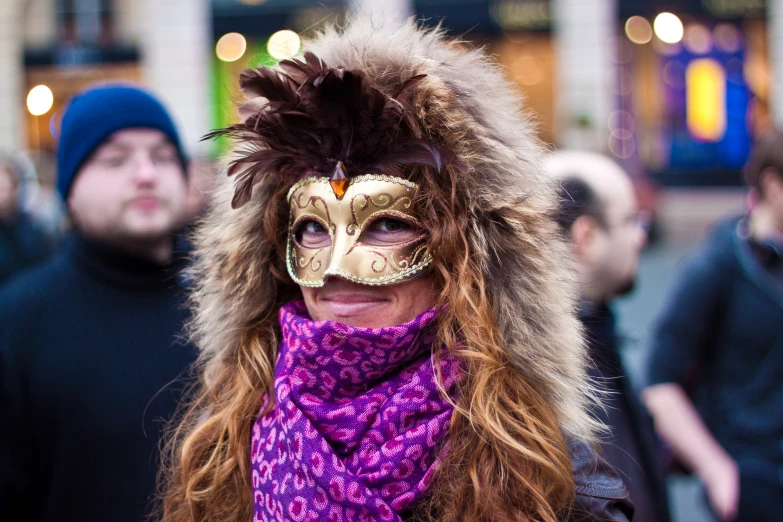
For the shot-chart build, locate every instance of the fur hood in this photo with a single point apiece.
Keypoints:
(467, 104)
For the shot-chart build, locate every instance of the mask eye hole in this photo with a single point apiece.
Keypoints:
(310, 233)
(390, 231)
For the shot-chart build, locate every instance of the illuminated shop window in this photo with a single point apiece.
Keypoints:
(705, 83)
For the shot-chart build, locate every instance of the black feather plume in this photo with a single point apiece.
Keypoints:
(303, 120)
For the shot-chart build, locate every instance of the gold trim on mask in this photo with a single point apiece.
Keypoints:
(366, 199)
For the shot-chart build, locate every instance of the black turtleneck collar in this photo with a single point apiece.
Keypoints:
(121, 269)
(602, 313)
(599, 323)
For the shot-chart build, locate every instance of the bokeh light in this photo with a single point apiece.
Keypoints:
(638, 30)
(668, 28)
(527, 70)
(622, 120)
(674, 74)
(622, 145)
(757, 73)
(666, 49)
(231, 47)
(283, 44)
(727, 38)
(698, 39)
(622, 134)
(39, 100)
(619, 50)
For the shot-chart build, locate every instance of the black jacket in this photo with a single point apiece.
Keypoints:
(632, 446)
(601, 495)
(23, 244)
(719, 336)
(90, 355)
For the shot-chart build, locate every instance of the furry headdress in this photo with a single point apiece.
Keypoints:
(452, 99)
(307, 118)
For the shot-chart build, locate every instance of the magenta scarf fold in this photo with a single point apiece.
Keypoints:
(358, 429)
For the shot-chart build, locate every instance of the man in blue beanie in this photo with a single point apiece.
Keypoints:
(90, 350)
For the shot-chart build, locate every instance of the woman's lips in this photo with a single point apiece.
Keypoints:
(146, 203)
(345, 305)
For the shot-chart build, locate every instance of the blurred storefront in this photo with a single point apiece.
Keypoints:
(249, 33)
(517, 33)
(676, 90)
(692, 87)
(596, 74)
(67, 45)
(600, 74)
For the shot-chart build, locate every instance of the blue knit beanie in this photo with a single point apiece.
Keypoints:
(93, 115)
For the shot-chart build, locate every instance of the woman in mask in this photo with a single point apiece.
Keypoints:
(383, 305)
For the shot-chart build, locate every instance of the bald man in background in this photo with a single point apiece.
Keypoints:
(599, 215)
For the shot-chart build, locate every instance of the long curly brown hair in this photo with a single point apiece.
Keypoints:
(506, 299)
(507, 454)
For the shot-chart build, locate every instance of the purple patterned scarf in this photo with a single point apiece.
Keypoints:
(358, 429)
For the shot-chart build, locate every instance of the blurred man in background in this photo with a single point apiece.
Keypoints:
(23, 242)
(716, 368)
(89, 341)
(41, 199)
(599, 214)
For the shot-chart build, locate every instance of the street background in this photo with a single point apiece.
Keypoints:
(674, 91)
(689, 213)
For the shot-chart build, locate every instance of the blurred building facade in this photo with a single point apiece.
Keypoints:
(67, 45)
(676, 89)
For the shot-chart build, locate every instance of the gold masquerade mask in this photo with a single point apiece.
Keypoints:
(363, 230)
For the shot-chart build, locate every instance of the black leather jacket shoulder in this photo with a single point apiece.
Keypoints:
(601, 495)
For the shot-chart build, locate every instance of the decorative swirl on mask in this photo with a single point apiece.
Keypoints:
(418, 255)
(382, 201)
(402, 264)
(312, 200)
(315, 267)
(398, 265)
(406, 262)
(374, 265)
